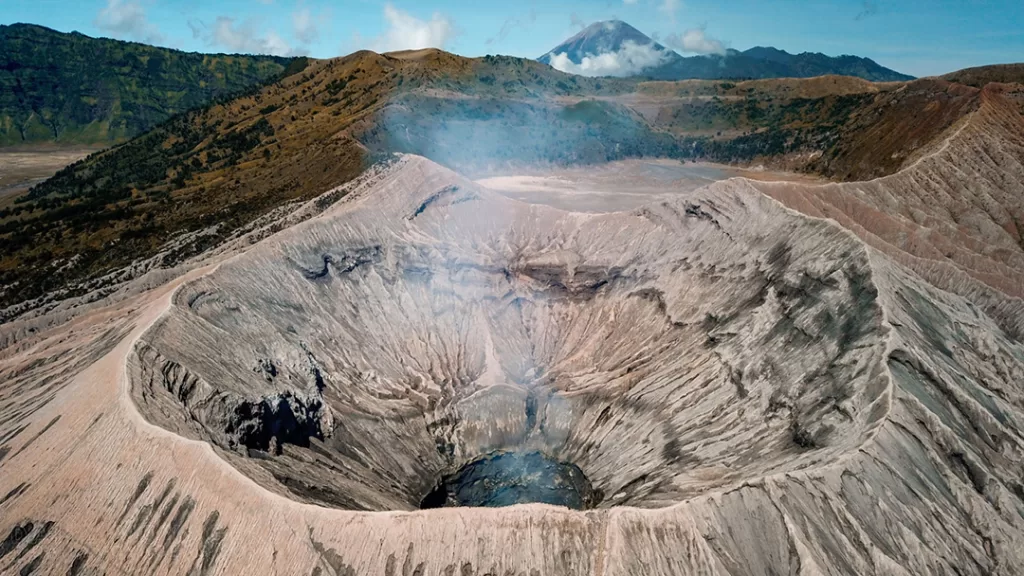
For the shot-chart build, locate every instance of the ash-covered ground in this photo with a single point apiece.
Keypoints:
(754, 377)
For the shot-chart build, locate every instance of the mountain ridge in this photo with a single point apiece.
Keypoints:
(71, 88)
(607, 38)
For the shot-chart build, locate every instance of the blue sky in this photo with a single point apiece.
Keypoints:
(919, 37)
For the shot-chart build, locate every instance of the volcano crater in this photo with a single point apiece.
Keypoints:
(431, 335)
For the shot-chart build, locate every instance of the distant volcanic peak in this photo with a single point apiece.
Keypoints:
(601, 38)
(608, 48)
(610, 35)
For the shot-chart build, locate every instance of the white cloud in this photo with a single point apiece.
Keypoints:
(304, 27)
(695, 41)
(669, 8)
(407, 32)
(127, 19)
(241, 37)
(630, 59)
(277, 45)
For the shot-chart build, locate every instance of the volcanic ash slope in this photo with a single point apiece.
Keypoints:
(748, 391)
(760, 391)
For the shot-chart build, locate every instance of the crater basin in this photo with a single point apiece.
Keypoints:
(428, 335)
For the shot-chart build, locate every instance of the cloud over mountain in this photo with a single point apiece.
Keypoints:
(304, 26)
(631, 58)
(407, 32)
(243, 37)
(614, 48)
(611, 48)
(696, 41)
(126, 19)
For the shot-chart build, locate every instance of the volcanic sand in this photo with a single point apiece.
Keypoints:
(769, 392)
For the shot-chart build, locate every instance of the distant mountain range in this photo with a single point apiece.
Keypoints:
(69, 88)
(73, 89)
(614, 48)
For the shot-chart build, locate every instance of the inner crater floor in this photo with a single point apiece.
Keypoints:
(509, 478)
(433, 343)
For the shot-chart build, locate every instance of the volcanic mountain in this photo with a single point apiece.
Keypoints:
(334, 326)
(614, 48)
(632, 50)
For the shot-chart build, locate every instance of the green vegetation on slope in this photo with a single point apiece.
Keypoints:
(73, 89)
(212, 169)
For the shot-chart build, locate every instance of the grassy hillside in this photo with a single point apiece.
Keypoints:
(73, 89)
(217, 168)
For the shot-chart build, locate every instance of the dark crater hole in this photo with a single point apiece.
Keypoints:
(507, 478)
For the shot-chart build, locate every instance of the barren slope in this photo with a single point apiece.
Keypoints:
(436, 322)
(753, 391)
(955, 215)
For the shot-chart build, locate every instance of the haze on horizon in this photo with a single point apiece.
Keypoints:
(916, 37)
